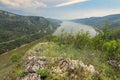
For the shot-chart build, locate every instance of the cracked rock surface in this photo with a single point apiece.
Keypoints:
(38, 67)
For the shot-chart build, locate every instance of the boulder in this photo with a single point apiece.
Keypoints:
(31, 76)
(33, 63)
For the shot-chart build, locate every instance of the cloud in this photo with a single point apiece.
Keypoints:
(34, 4)
(48, 8)
(70, 2)
(23, 4)
(95, 13)
(81, 14)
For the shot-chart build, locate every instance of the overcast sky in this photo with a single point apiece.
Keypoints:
(62, 9)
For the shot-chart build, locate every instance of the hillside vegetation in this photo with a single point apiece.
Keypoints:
(16, 30)
(47, 57)
(100, 52)
(7, 66)
(114, 21)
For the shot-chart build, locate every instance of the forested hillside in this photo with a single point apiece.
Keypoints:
(59, 39)
(113, 20)
(78, 57)
(16, 30)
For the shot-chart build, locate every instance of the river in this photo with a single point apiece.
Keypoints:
(74, 28)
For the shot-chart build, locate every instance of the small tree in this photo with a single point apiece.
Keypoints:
(102, 37)
(82, 40)
(105, 31)
(111, 48)
(15, 58)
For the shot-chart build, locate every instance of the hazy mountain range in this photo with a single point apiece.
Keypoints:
(113, 20)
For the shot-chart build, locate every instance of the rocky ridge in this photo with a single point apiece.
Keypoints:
(59, 68)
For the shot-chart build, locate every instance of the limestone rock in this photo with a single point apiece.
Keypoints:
(32, 76)
(33, 63)
(58, 66)
(113, 63)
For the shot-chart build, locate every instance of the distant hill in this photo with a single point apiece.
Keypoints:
(114, 21)
(23, 29)
(56, 21)
(12, 25)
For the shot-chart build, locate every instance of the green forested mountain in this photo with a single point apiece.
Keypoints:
(113, 20)
(58, 22)
(23, 29)
(13, 26)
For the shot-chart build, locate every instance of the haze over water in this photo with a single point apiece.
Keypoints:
(74, 28)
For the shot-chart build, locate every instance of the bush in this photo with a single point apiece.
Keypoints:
(82, 40)
(111, 48)
(20, 72)
(43, 73)
(15, 58)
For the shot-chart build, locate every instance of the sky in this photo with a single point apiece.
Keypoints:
(62, 9)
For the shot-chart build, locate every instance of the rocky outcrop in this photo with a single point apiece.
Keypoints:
(33, 64)
(60, 68)
(114, 63)
(31, 76)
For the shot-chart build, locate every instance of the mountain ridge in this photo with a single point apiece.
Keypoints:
(113, 20)
(16, 30)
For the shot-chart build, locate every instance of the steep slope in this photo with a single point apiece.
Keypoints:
(51, 61)
(16, 30)
(13, 26)
(44, 60)
(48, 60)
(6, 66)
(54, 21)
(114, 21)
(54, 68)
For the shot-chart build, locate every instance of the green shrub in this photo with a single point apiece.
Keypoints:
(82, 40)
(15, 58)
(43, 73)
(20, 72)
(111, 48)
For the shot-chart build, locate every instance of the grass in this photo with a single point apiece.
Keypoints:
(51, 49)
(54, 50)
(43, 73)
(6, 65)
(88, 56)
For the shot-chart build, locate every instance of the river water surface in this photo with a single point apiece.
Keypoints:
(74, 28)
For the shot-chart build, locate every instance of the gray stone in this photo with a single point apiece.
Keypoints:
(31, 76)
